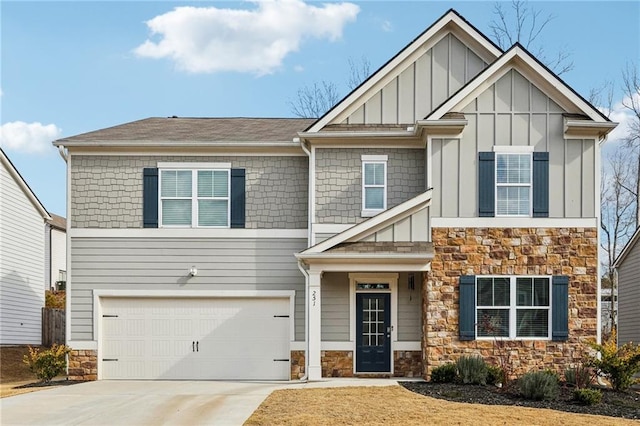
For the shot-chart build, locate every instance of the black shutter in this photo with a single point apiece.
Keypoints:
(540, 184)
(560, 308)
(238, 199)
(486, 184)
(150, 198)
(467, 307)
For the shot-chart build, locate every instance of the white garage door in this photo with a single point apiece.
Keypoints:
(195, 338)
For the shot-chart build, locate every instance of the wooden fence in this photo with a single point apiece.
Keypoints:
(53, 326)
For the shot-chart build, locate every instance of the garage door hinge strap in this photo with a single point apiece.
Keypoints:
(281, 316)
(109, 316)
(109, 359)
(283, 359)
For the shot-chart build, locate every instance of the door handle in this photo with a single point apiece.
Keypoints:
(193, 346)
(197, 346)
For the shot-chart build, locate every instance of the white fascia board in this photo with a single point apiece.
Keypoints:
(518, 59)
(194, 293)
(383, 219)
(627, 248)
(193, 152)
(385, 257)
(17, 177)
(168, 143)
(450, 22)
(583, 128)
(512, 222)
(191, 233)
(369, 267)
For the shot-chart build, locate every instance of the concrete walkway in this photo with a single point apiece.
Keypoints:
(152, 402)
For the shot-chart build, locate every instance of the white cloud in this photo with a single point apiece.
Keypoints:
(298, 68)
(28, 137)
(210, 39)
(387, 27)
(622, 115)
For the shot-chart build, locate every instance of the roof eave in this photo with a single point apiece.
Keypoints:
(584, 128)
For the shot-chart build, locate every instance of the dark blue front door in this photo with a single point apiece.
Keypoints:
(373, 332)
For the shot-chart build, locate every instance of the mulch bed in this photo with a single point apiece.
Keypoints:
(52, 383)
(614, 404)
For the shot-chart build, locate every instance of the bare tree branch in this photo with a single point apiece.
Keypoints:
(313, 101)
(358, 72)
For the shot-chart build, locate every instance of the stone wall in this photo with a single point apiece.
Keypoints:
(83, 365)
(337, 363)
(407, 363)
(510, 251)
(297, 365)
(106, 191)
(339, 181)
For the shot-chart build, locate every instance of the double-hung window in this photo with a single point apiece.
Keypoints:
(374, 184)
(513, 184)
(195, 197)
(513, 307)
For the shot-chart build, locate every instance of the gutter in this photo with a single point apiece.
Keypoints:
(305, 378)
(63, 153)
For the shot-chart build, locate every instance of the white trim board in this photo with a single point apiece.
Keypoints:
(512, 222)
(186, 233)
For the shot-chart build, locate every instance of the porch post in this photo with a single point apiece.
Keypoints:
(315, 364)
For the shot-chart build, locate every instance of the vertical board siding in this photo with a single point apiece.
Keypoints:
(22, 265)
(629, 297)
(422, 85)
(513, 112)
(335, 307)
(163, 264)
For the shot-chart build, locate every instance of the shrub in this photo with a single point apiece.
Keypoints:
(54, 299)
(539, 385)
(580, 376)
(48, 363)
(495, 375)
(587, 396)
(617, 364)
(446, 373)
(472, 370)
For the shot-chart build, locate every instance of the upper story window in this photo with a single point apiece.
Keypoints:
(195, 197)
(513, 184)
(374, 184)
(513, 307)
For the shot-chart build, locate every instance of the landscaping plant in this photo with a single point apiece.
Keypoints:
(48, 363)
(619, 365)
(446, 373)
(580, 376)
(472, 370)
(539, 385)
(495, 375)
(587, 396)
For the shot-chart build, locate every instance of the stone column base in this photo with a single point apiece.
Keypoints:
(83, 365)
(407, 363)
(297, 365)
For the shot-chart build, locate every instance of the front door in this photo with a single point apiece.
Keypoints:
(373, 332)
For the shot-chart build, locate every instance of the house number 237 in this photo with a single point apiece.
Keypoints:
(313, 296)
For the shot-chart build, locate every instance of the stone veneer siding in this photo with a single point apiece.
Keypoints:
(106, 191)
(339, 181)
(297, 365)
(407, 363)
(510, 251)
(83, 365)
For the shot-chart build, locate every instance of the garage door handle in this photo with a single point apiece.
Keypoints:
(197, 346)
(281, 359)
(193, 346)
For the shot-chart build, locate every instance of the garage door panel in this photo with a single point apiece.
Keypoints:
(237, 338)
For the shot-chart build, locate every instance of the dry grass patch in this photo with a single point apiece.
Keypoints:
(396, 405)
(15, 373)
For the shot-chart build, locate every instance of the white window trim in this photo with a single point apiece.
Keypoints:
(194, 194)
(512, 185)
(191, 166)
(374, 159)
(513, 308)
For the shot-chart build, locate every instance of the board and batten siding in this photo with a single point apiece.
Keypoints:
(629, 297)
(422, 86)
(514, 112)
(22, 265)
(106, 191)
(160, 263)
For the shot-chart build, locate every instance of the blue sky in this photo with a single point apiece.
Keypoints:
(72, 67)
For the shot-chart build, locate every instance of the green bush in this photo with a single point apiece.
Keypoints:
(495, 375)
(472, 370)
(580, 376)
(617, 364)
(587, 396)
(446, 373)
(48, 363)
(539, 385)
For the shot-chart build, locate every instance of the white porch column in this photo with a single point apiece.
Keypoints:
(315, 364)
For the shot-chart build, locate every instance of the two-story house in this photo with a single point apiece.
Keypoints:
(448, 201)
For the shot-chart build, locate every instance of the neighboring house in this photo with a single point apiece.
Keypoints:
(22, 259)
(56, 253)
(627, 267)
(608, 309)
(448, 201)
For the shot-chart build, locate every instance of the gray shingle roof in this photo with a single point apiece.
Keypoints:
(159, 129)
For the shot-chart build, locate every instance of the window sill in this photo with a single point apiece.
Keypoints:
(370, 213)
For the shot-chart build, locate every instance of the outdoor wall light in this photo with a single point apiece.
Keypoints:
(193, 271)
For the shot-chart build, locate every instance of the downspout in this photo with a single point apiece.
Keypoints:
(306, 320)
(63, 153)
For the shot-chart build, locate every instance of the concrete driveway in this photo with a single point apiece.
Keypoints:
(151, 402)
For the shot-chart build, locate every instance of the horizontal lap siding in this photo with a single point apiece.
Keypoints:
(629, 298)
(409, 308)
(22, 265)
(335, 307)
(163, 264)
